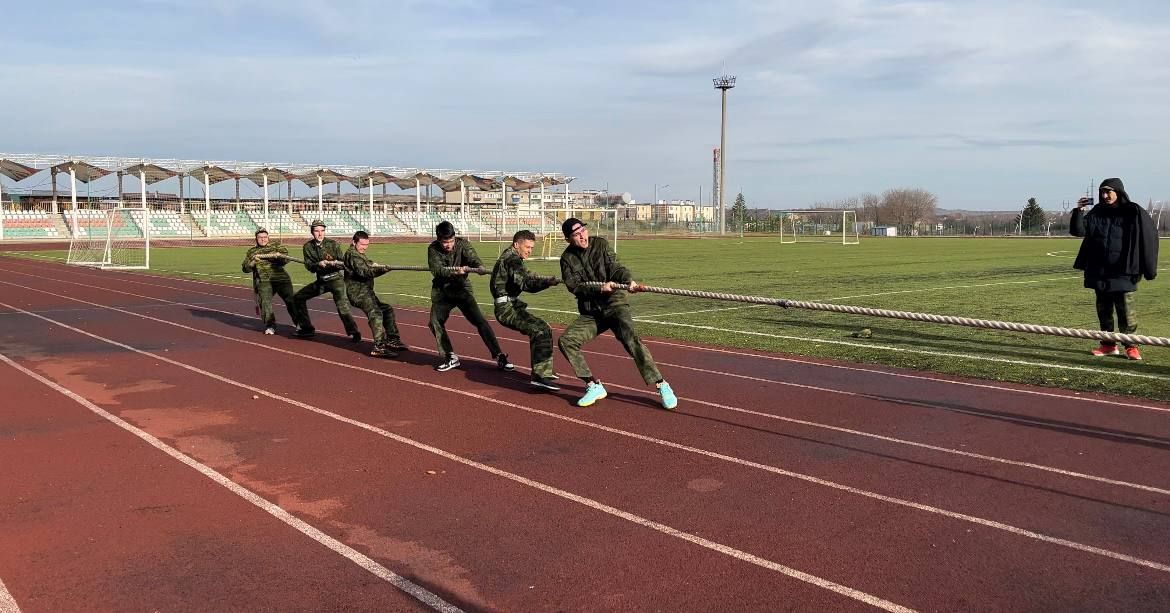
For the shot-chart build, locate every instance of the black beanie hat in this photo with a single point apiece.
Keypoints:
(1116, 185)
(567, 227)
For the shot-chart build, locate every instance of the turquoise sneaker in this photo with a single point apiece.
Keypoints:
(593, 392)
(668, 399)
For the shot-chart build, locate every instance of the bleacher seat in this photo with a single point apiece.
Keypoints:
(29, 224)
(279, 223)
(226, 223)
(164, 224)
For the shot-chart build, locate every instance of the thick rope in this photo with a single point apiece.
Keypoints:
(388, 267)
(1112, 337)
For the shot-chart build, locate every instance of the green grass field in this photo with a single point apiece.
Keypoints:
(1021, 280)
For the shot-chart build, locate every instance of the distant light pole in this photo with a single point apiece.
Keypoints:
(654, 208)
(723, 83)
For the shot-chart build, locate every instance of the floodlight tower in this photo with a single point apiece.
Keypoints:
(723, 83)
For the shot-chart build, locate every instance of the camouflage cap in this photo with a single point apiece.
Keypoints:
(316, 222)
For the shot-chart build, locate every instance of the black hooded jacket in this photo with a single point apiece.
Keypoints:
(1120, 243)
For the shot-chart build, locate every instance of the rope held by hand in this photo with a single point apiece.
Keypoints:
(1100, 335)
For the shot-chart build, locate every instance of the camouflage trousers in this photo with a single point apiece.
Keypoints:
(442, 303)
(264, 290)
(380, 315)
(588, 327)
(336, 287)
(1123, 304)
(514, 315)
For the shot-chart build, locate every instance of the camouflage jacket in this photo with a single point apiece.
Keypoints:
(266, 270)
(597, 262)
(359, 270)
(315, 252)
(462, 254)
(510, 276)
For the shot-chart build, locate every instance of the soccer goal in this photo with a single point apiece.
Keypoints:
(546, 225)
(115, 238)
(838, 227)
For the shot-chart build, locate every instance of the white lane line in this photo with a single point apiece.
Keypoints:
(1022, 420)
(632, 435)
(874, 371)
(418, 592)
(588, 502)
(944, 354)
(1074, 396)
(7, 602)
(800, 386)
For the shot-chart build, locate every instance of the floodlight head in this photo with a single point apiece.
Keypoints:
(724, 82)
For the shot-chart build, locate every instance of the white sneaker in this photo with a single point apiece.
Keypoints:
(270, 330)
(451, 362)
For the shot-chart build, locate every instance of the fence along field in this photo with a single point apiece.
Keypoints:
(1029, 281)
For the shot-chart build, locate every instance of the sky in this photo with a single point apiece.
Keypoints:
(984, 103)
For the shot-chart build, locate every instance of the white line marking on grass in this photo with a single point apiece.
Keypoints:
(715, 310)
(7, 602)
(921, 377)
(812, 424)
(418, 592)
(281, 514)
(617, 431)
(935, 289)
(945, 354)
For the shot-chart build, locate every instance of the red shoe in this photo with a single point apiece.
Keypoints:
(1106, 349)
(1133, 353)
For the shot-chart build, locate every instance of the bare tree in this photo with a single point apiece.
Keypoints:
(906, 207)
(870, 208)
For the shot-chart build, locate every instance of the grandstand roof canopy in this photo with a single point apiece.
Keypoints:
(153, 173)
(470, 181)
(15, 170)
(326, 176)
(92, 167)
(215, 174)
(422, 178)
(85, 171)
(376, 177)
(275, 175)
(518, 183)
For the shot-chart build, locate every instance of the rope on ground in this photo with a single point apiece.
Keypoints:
(1100, 335)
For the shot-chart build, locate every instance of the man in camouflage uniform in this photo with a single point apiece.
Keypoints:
(269, 277)
(509, 278)
(359, 287)
(449, 259)
(601, 309)
(323, 257)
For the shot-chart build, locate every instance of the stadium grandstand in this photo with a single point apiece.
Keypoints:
(190, 199)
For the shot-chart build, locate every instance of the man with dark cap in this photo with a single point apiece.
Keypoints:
(601, 308)
(323, 257)
(509, 278)
(450, 258)
(269, 277)
(1120, 247)
(360, 273)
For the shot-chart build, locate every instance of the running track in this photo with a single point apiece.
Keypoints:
(158, 453)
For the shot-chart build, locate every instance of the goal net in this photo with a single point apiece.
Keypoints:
(839, 227)
(116, 238)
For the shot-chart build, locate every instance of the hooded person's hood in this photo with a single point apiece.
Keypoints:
(1117, 186)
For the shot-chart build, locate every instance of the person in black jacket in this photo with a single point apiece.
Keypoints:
(1120, 247)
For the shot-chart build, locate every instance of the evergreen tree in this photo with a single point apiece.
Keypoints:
(738, 212)
(1032, 218)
